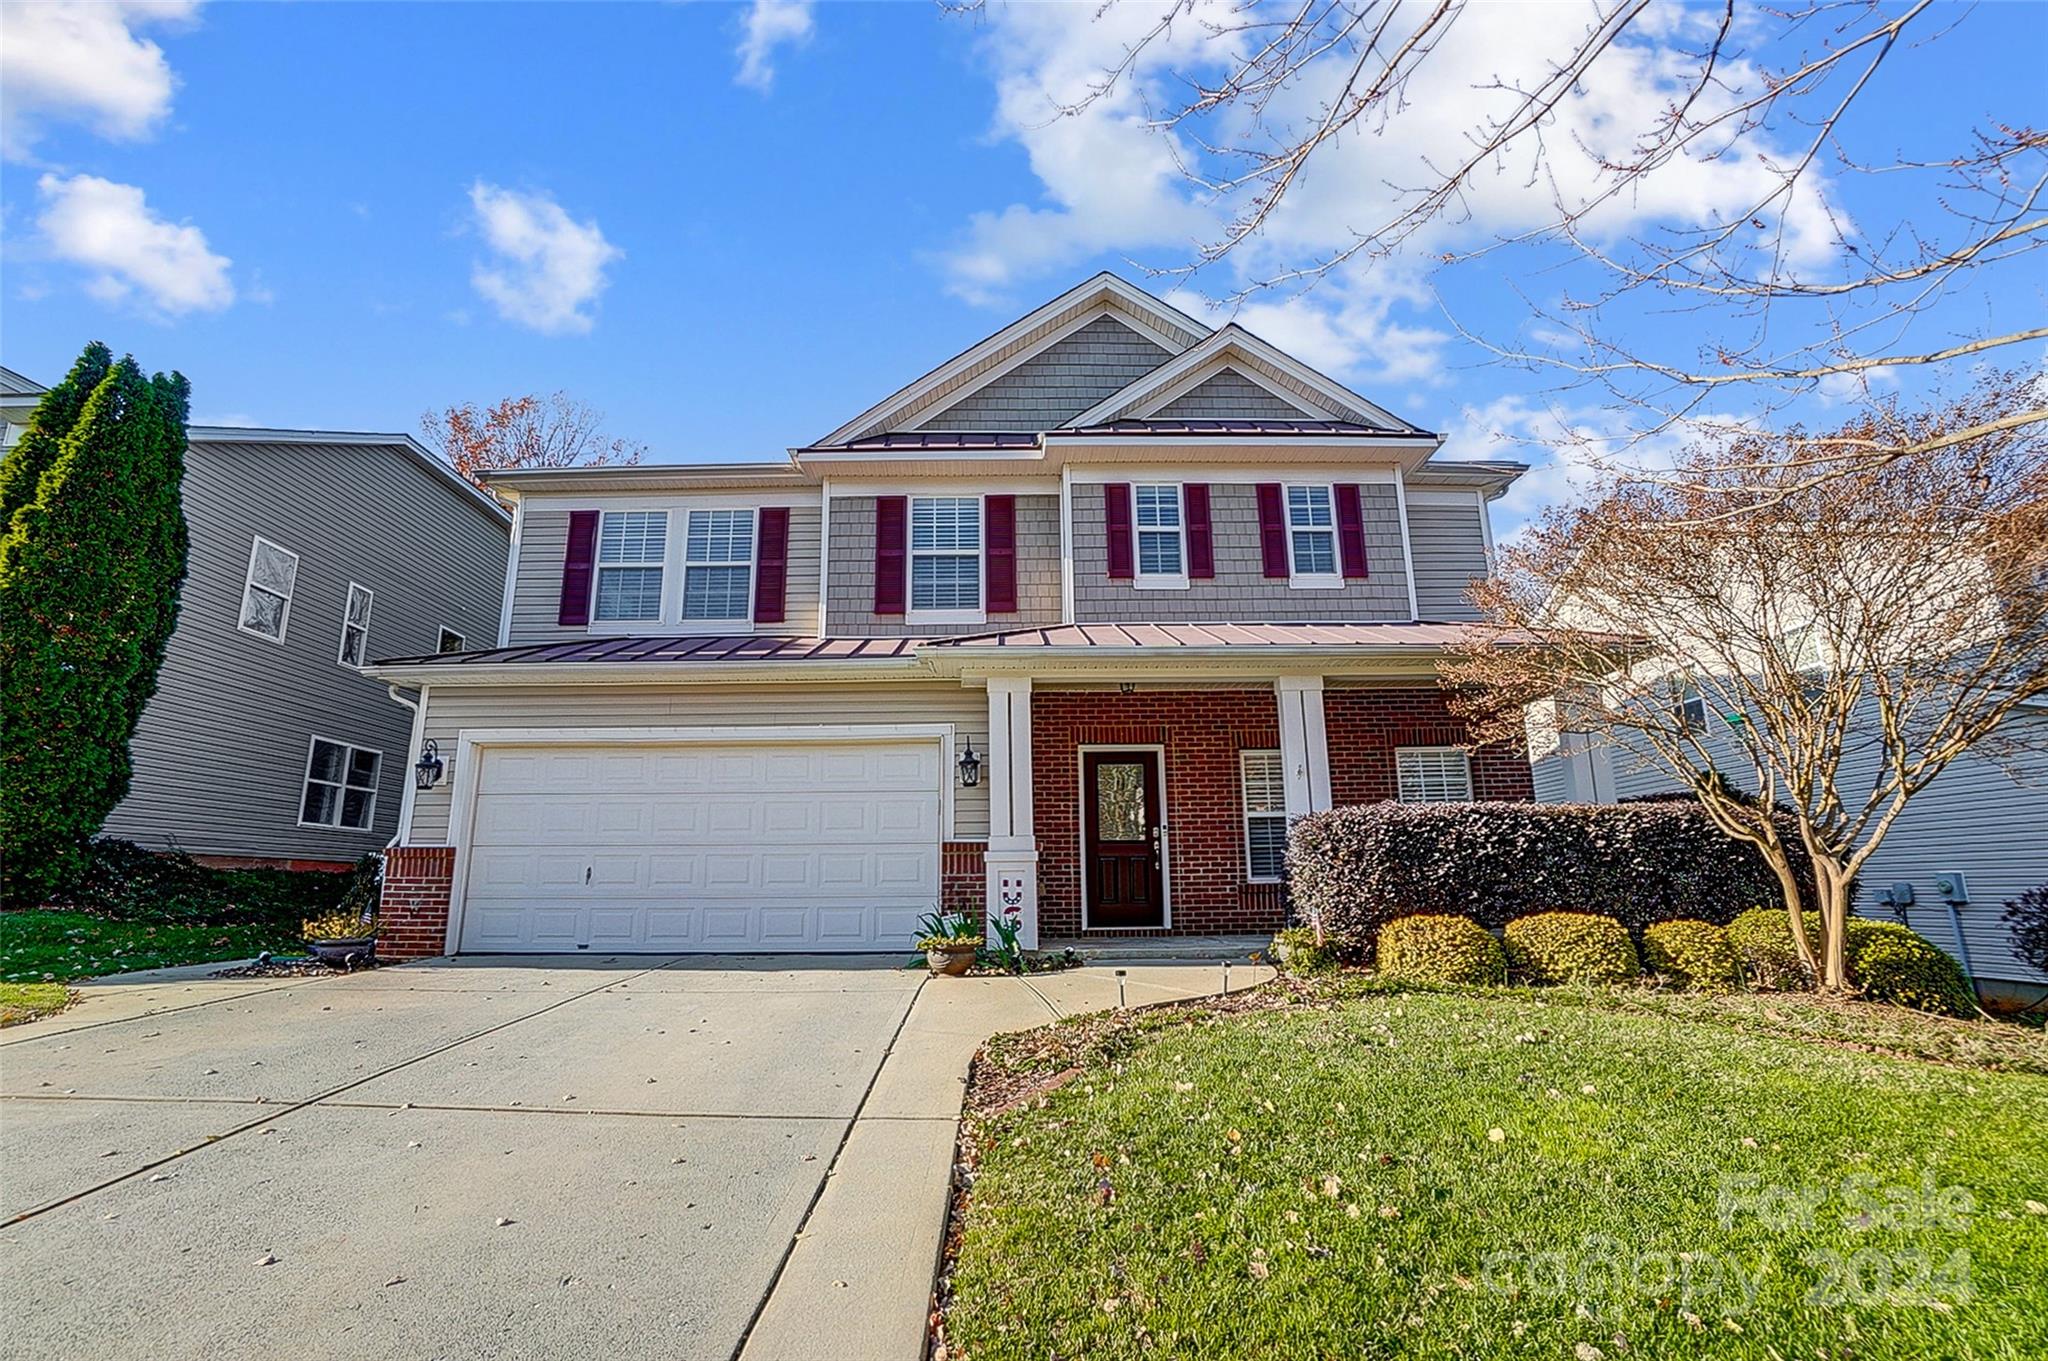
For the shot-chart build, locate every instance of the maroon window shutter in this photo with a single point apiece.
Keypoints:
(1350, 531)
(891, 517)
(1116, 505)
(1194, 509)
(1001, 539)
(1272, 530)
(771, 565)
(579, 568)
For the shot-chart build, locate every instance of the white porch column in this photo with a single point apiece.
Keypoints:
(1012, 859)
(1304, 747)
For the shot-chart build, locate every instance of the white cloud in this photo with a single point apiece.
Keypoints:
(548, 268)
(770, 24)
(83, 61)
(109, 229)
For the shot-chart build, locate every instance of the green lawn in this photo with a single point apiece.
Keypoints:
(1508, 1175)
(55, 947)
(26, 1001)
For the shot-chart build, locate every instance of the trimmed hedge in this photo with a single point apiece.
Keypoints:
(1762, 941)
(1893, 963)
(1693, 953)
(1440, 949)
(1355, 869)
(125, 882)
(1570, 947)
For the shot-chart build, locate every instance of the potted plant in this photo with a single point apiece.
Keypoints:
(950, 942)
(346, 934)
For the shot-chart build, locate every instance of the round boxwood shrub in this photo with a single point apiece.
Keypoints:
(1893, 963)
(1570, 947)
(1694, 953)
(1762, 941)
(1440, 949)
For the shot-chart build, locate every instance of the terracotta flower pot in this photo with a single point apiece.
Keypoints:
(950, 960)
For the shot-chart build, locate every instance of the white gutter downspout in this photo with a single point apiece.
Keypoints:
(419, 728)
(511, 573)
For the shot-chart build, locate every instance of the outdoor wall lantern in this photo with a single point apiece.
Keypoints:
(970, 766)
(426, 772)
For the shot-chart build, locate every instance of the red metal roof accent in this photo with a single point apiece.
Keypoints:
(707, 649)
(1424, 634)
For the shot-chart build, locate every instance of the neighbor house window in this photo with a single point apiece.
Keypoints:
(1433, 775)
(1161, 557)
(341, 786)
(718, 565)
(945, 555)
(449, 641)
(355, 626)
(267, 593)
(1312, 537)
(1692, 711)
(1265, 814)
(632, 545)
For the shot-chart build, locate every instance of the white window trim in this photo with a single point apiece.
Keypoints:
(341, 651)
(1160, 581)
(669, 605)
(461, 639)
(1250, 875)
(1312, 581)
(307, 778)
(284, 618)
(743, 623)
(913, 615)
(1464, 758)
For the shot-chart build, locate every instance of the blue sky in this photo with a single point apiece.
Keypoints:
(308, 209)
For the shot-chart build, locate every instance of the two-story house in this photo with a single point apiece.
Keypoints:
(1070, 626)
(312, 552)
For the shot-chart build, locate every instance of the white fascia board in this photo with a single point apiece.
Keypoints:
(1202, 373)
(1252, 351)
(1105, 284)
(1186, 664)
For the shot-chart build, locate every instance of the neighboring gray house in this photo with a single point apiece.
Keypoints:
(312, 552)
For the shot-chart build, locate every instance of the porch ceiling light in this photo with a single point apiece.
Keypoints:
(970, 766)
(426, 772)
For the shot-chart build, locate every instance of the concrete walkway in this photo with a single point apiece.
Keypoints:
(632, 1156)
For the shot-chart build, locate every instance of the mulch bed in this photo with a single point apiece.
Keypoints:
(291, 967)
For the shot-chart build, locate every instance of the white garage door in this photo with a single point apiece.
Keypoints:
(747, 847)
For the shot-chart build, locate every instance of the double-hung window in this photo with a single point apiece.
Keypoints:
(1162, 547)
(267, 592)
(355, 626)
(632, 545)
(341, 786)
(945, 558)
(1265, 815)
(1433, 775)
(1312, 537)
(718, 566)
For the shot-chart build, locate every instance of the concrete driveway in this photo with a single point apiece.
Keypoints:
(488, 1157)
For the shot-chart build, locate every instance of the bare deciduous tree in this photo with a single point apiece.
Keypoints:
(526, 432)
(1719, 324)
(1846, 640)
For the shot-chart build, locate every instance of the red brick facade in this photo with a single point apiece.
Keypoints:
(1202, 732)
(963, 885)
(412, 921)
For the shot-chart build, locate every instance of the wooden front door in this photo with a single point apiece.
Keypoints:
(1123, 839)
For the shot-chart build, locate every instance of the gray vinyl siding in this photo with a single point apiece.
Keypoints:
(1982, 816)
(1048, 389)
(1230, 395)
(220, 754)
(451, 710)
(851, 603)
(1448, 543)
(1240, 591)
(544, 542)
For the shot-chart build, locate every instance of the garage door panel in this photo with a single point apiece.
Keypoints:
(760, 847)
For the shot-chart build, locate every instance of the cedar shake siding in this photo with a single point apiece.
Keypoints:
(698, 705)
(851, 602)
(1229, 395)
(1240, 591)
(220, 754)
(543, 545)
(1066, 379)
(1449, 543)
